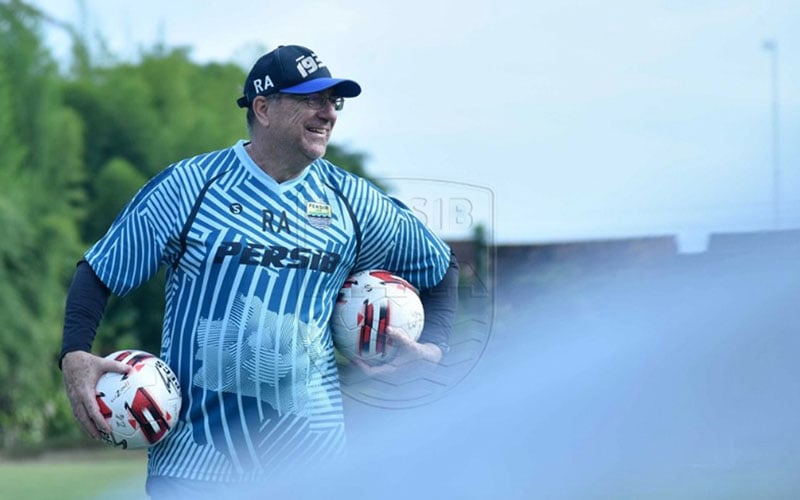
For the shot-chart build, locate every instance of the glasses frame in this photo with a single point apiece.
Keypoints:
(314, 101)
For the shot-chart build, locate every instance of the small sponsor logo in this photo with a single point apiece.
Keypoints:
(319, 214)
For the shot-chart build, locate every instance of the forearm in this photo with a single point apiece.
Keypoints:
(86, 303)
(440, 303)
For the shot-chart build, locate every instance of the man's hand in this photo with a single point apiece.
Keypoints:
(81, 371)
(408, 352)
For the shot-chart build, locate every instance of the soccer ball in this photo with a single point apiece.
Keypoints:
(142, 406)
(368, 302)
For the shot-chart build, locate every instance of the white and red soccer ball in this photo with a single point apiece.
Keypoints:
(142, 406)
(368, 302)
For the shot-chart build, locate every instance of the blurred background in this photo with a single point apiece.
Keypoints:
(619, 180)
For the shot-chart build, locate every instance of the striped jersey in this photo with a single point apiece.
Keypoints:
(253, 269)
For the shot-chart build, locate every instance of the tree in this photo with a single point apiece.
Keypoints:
(40, 171)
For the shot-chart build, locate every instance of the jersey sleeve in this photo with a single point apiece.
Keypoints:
(395, 239)
(143, 236)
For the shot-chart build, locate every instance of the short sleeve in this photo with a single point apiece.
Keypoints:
(143, 235)
(396, 240)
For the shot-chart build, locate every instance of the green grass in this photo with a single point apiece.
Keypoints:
(75, 476)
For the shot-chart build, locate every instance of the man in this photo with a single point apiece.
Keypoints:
(257, 240)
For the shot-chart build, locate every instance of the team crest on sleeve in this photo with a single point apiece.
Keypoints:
(319, 214)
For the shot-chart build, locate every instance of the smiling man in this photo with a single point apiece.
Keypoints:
(285, 135)
(257, 239)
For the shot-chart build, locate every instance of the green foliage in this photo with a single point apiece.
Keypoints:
(115, 183)
(195, 105)
(40, 170)
(74, 148)
(154, 113)
(352, 161)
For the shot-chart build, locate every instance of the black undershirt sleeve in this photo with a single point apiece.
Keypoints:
(86, 303)
(440, 303)
(88, 296)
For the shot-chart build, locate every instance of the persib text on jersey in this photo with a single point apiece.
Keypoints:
(254, 254)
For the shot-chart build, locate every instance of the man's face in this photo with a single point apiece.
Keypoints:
(302, 124)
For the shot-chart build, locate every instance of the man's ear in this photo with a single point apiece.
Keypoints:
(260, 106)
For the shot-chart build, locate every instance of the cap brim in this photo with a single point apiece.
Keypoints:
(344, 88)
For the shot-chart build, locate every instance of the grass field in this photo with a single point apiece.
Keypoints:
(76, 475)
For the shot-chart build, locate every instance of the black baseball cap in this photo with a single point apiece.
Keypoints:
(292, 69)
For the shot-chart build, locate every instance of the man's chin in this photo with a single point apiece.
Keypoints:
(316, 152)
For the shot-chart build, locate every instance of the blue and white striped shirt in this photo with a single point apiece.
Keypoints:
(253, 271)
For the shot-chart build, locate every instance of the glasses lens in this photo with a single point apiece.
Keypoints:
(318, 102)
(315, 101)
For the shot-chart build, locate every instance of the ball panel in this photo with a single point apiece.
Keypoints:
(142, 406)
(368, 302)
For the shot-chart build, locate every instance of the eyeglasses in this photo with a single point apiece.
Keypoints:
(316, 101)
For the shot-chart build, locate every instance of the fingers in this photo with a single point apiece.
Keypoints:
(84, 404)
(82, 416)
(412, 349)
(96, 425)
(374, 370)
(81, 371)
(409, 351)
(384, 369)
(363, 366)
(400, 337)
(109, 365)
(99, 426)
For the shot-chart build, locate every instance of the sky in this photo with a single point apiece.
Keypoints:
(540, 121)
